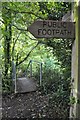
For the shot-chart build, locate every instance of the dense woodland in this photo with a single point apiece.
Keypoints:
(18, 45)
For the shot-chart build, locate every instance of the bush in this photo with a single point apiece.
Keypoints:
(57, 86)
(7, 85)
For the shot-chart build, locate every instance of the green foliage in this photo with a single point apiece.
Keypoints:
(7, 85)
(72, 100)
(56, 54)
(56, 86)
(55, 10)
(19, 46)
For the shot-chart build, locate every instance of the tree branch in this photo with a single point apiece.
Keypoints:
(28, 54)
(14, 44)
(21, 29)
(1, 20)
(1, 37)
(38, 40)
(24, 12)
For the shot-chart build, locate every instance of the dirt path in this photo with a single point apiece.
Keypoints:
(31, 105)
(26, 85)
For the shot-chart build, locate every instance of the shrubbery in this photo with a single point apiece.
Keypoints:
(57, 86)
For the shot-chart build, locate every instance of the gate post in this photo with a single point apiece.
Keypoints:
(14, 75)
(40, 74)
(30, 68)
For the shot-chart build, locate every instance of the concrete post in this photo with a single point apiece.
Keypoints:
(76, 110)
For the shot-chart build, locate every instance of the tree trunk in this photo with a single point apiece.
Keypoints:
(6, 14)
